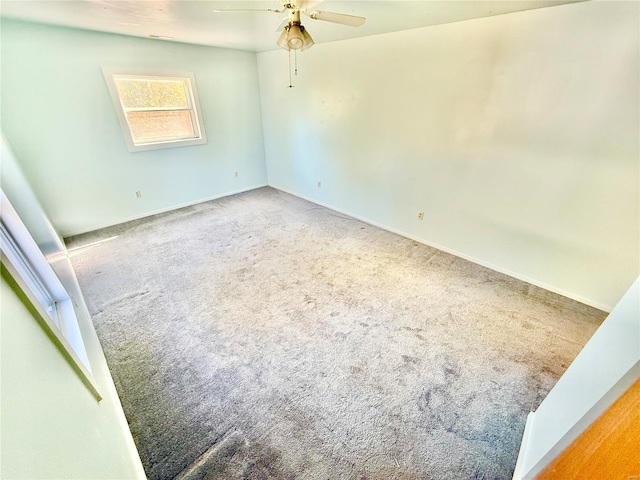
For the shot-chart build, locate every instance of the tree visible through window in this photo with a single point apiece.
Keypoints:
(158, 111)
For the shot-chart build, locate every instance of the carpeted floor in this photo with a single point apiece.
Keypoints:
(261, 336)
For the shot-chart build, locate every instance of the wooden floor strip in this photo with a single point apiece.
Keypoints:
(609, 449)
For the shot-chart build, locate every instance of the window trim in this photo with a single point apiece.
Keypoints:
(110, 73)
(28, 274)
(27, 270)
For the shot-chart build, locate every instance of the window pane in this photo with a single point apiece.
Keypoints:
(28, 273)
(141, 93)
(160, 125)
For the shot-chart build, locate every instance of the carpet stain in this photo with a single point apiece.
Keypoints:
(124, 298)
(236, 457)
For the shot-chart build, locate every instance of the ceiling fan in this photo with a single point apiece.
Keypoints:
(294, 35)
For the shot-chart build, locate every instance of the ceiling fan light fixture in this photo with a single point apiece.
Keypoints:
(282, 39)
(308, 41)
(295, 39)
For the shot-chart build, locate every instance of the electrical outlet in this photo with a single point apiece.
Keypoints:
(138, 194)
(421, 216)
(236, 174)
(319, 184)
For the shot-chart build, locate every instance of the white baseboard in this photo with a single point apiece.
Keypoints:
(524, 278)
(161, 210)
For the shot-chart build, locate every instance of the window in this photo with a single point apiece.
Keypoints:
(16, 256)
(156, 111)
(25, 267)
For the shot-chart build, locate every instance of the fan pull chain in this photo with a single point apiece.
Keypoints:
(295, 60)
(290, 83)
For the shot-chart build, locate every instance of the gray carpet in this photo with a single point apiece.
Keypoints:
(261, 336)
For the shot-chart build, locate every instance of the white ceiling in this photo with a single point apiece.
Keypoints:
(193, 21)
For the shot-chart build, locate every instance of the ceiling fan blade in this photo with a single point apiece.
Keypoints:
(232, 10)
(341, 18)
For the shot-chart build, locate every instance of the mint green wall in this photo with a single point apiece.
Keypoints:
(58, 117)
(517, 135)
(52, 425)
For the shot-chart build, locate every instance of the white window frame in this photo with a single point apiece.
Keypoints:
(189, 79)
(47, 298)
